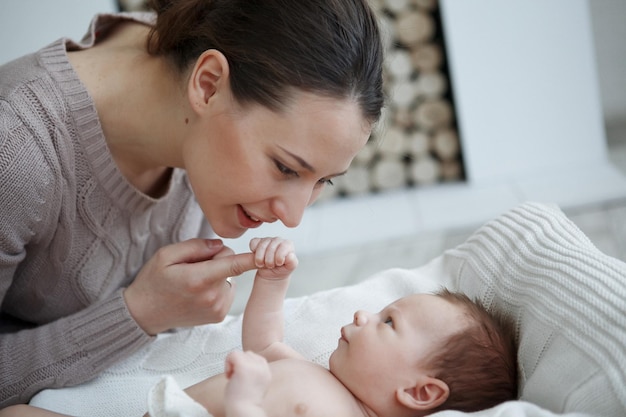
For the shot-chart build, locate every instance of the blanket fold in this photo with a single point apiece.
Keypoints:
(167, 399)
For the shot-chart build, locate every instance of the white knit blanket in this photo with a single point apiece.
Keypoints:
(568, 298)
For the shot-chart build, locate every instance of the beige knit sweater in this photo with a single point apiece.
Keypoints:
(73, 231)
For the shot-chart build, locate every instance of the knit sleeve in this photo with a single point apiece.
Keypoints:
(66, 351)
(28, 193)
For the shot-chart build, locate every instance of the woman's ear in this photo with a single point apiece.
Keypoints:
(427, 394)
(208, 76)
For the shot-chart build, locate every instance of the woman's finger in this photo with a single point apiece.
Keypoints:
(218, 269)
(192, 250)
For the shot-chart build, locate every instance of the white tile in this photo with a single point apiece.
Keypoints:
(363, 220)
(580, 185)
(451, 206)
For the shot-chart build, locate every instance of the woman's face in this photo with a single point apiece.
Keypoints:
(250, 165)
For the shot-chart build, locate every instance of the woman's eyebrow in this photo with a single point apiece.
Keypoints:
(304, 164)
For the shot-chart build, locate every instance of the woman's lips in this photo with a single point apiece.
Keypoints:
(245, 220)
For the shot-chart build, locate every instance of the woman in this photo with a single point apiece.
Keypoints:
(122, 155)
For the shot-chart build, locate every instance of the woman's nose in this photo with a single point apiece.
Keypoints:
(361, 318)
(289, 207)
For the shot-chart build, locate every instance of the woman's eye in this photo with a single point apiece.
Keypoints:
(285, 170)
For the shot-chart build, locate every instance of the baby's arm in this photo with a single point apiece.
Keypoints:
(263, 316)
(248, 379)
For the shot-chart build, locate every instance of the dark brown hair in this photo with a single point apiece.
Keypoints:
(479, 363)
(328, 47)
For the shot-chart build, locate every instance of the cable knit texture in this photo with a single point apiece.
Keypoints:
(73, 231)
(533, 263)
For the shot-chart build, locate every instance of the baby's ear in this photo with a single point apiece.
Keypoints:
(426, 394)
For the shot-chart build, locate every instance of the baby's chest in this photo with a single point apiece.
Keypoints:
(306, 389)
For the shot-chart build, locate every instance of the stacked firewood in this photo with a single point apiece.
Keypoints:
(416, 142)
(133, 5)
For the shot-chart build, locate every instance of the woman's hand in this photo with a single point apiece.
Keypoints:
(185, 284)
(274, 257)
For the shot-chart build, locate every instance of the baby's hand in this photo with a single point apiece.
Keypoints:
(248, 376)
(274, 257)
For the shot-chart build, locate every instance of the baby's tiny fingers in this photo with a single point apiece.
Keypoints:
(284, 249)
(291, 261)
(254, 242)
(272, 255)
(260, 252)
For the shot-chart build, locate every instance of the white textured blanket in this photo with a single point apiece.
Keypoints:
(569, 301)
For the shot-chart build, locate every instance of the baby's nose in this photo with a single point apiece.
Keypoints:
(360, 318)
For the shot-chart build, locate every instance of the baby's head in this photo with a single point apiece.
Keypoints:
(479, 364)
(425, 353)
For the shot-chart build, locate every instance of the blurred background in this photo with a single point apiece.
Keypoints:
(491, 103)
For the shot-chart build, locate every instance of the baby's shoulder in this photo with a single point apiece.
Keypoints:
(303, 388)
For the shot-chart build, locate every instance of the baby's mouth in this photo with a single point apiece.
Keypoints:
(343, 335)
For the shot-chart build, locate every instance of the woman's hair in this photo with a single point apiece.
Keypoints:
(327, 47)
(479, 363)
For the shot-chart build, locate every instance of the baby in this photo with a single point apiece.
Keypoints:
(421, 354)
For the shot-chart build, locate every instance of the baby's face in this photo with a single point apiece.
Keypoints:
(379, 351)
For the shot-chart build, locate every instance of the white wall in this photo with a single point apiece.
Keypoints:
(27, 25)
(608, 18)
(525, 86)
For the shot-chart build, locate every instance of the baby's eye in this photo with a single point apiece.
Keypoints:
(389, 321)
